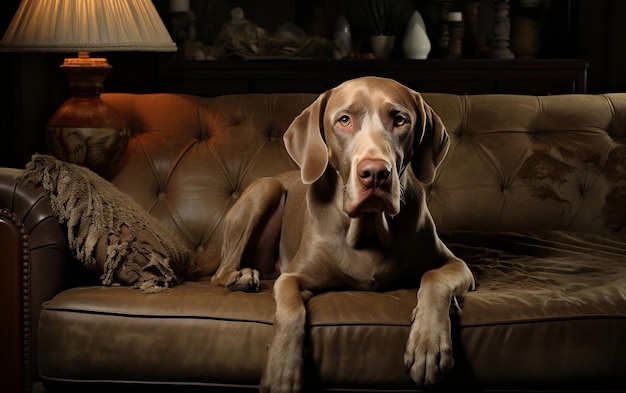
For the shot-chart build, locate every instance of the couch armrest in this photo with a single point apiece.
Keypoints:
(34, 267)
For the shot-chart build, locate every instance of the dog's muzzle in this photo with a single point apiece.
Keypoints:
(373, 189)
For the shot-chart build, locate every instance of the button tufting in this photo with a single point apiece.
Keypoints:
(161, 195)
(199, 249)
(235, 195)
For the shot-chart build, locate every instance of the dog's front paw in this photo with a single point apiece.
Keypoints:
(283, 381)
(244, 280)
(428, 353)
(282, 375)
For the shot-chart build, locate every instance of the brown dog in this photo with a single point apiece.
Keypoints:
(354, 216)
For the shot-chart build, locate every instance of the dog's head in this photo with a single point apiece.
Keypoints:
(368, 130)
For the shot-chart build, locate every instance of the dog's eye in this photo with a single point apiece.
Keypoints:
(399, 121)
(345, 121)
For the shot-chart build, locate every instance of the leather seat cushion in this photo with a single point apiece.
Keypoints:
(513, 328)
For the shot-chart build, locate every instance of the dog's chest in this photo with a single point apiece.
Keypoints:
(367, 257)
(367, 269)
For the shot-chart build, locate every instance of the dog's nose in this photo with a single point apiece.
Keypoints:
(373, 173)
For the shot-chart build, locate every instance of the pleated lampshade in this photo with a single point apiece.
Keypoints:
(86, 26)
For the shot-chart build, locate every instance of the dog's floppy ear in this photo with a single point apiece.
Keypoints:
(304, 142)
(431, 148)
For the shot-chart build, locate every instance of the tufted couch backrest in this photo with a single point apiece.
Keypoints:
(515, 162)
(525, 163)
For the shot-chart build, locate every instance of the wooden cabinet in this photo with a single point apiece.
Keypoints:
(536, 77)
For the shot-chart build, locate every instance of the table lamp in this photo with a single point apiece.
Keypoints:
(84, 130)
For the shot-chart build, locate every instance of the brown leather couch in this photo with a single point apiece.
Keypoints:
(532, 195)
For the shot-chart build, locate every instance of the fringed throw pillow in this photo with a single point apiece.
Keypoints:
(108, 231)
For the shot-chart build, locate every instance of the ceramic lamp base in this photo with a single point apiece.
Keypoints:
(95, 146)
(85, 130)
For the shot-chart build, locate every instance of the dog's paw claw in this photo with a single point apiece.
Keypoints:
(244, 280)
(428, 356)
(426, 369)
(286, 379)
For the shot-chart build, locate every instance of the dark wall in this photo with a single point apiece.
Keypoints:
(32, 86)
(7, 105)
(602, 41)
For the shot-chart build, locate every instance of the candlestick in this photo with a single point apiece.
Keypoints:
(501, 31)
(179, 5)
(455, 26)
(470, 37)
(444, 34)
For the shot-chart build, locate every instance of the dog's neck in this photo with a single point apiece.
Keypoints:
(369, 230)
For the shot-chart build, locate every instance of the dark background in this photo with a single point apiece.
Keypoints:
(32, 86)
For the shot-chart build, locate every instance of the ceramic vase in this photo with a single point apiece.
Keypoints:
(382, 45)
(416, 44)
(343, 38)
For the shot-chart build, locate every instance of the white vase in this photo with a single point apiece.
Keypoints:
(416, 44)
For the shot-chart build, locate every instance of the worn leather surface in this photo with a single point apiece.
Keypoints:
(531, 187)
(561, 327)
(523, 162)
(35, 266)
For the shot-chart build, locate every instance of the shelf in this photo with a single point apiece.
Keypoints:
(536, 76)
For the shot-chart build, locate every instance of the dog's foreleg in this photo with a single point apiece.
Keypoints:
(241, 223)
(285, 357)
(429, 347)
